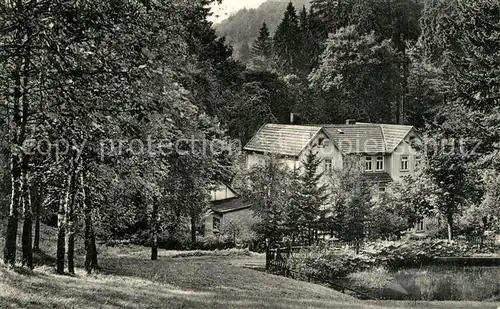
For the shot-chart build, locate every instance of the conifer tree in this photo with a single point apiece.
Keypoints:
(308, 46)
(263, 45)
(303, 19)
(286, 37)
(350, 200)
(269, 190)
(293, 212)
(311, 195)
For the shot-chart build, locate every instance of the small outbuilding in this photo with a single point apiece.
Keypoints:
(227, 210)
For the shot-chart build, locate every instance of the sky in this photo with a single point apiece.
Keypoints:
(227, 7)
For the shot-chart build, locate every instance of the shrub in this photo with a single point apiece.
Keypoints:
(214, 243)
(214, 253)
(327, 263)
(378, 282)
(418, 253)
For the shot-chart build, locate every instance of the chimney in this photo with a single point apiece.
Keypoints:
(295, 118)
(350, 121)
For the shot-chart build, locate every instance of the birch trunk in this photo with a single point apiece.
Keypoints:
(15, 136)
(63, 221)
(90, 243)
(449, 223)
(193, 229)
(36, 237)
(27, 237)
(70, 217)
(61, 237)
(154, 231)
(12, 221)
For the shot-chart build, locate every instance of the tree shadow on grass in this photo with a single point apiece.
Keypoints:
(113, 291)
(235, 285)
(52, 291)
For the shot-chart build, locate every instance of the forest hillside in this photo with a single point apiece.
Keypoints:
(242, 28)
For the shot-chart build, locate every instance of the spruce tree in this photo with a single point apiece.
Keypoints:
(263, 45)
(303, 19)
(307, 53)
(318, 31)
(311, 195)
(286, 37)
(293, 212)
(350, 200)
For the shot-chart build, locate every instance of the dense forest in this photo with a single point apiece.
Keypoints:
(106, 105)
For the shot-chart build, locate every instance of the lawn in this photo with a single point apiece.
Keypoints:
(129, 280)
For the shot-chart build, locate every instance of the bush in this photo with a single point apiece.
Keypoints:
(214, 243)
(377, 282)
(417, 253)
(214, 253)
(328, 263)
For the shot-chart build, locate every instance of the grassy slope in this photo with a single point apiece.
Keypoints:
(130, 280)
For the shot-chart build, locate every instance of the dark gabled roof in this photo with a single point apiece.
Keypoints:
(367, 137)
(291, 140)
(357, 138)
(394, 135)
(377, 177)
(282, 139)
(229, 205)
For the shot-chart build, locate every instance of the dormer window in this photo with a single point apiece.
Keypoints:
(328, 162)
(368, 164)
(380, 163)
(405, 163)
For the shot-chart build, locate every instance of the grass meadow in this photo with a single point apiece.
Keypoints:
(129, 280)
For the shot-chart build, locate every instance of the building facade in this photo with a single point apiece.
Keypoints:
(384, 152)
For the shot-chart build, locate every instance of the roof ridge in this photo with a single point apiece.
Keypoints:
(255, 135)
(383, 136)
(291, 140)
(410, 128)
(292, 125)
(311, 138)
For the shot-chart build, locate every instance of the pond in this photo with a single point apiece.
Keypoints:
(431, 283)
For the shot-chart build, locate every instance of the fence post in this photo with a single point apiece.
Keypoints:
(278, 259)
(268, 257)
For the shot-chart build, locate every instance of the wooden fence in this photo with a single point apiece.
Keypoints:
(278, 262)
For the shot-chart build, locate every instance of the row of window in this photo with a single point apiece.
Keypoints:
(419, 226)
(379, 163)
(372, 164)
